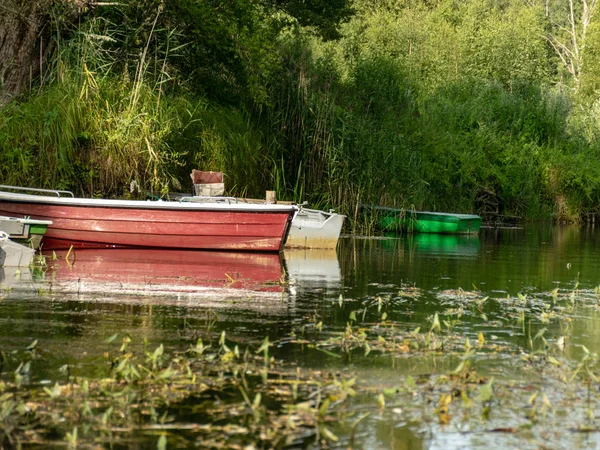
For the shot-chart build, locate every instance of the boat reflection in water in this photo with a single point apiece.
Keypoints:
(178, 277)
(444, 244)
(313, 269)
(435, 244)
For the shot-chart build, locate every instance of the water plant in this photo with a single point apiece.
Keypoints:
(145, 390)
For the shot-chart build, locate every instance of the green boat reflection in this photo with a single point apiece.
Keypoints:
(445, 244)
(436, 244)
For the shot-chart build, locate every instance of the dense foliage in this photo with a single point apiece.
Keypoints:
(457, 105)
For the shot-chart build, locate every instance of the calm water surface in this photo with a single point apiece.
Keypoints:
(175, 297)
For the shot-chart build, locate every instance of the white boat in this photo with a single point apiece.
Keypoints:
(24, 230)
(13, 254)
(312, 228)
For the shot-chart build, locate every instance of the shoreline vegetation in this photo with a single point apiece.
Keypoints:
(472, 107)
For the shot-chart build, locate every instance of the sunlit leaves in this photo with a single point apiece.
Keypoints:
(54, 392)
(435, 324)
(485, 392)
(162, 442)
(381, 401)
(72, 438)
(324, 408)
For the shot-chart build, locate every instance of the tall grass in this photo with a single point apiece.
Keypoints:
(341, 128)
(94, 129)
(89, 139)
(343, 140)
(370, 134)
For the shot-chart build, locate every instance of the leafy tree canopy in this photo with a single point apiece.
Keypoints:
(222, 49)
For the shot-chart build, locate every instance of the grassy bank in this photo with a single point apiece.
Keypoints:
(445, 120)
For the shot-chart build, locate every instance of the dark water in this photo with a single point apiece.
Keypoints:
(175, 297)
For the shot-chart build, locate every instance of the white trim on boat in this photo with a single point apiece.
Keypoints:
(215, 205)
(26, 220)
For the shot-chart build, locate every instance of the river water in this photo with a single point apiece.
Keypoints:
(528, 297)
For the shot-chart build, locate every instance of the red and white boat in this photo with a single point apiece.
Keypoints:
(101, 223)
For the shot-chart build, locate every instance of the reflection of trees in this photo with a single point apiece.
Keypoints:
(586, 331)
(394, 437)
(506, 260)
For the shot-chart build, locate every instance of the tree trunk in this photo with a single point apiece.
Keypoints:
(23, 41)
(570, 47)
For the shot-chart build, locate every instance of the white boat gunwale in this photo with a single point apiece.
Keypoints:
(27, 220)
(330, 216)
(144, 204)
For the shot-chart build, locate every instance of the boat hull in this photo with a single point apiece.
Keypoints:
(25, 231)
(315, 229)
(97, 223)
(428, 222)
(14, 254)
(310, 228)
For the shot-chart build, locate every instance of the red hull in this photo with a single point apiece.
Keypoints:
(153, 270)
(92, 223)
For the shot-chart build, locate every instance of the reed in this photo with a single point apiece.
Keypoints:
(339, 124)
(371, 134)
(95, 130)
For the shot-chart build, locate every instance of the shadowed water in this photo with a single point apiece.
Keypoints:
(479, 287)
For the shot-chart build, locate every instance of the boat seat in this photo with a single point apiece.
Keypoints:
(207, 184)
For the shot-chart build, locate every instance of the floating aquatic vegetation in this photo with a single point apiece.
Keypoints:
(220, 395)
(457, 369)
(459, 293)
(410, 292)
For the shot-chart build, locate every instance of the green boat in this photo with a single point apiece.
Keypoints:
(411, 221)
(24, 230)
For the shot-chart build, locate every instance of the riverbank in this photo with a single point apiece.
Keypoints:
(365, 115)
